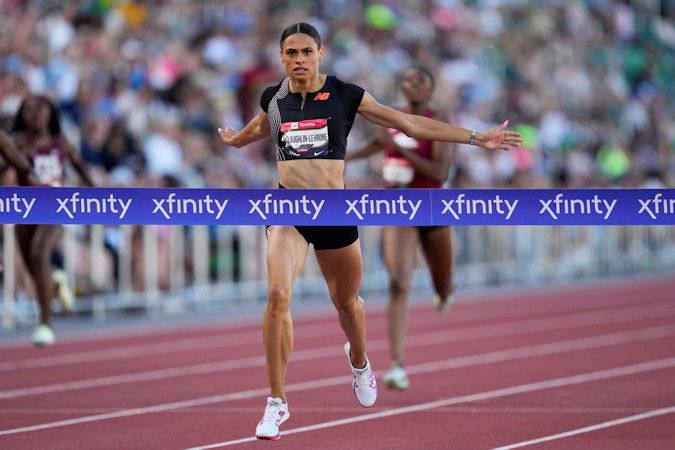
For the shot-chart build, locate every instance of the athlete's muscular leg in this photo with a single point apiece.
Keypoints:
(437, 246)
(286, 254)
(37, 243)
(342, 269)
(24, 238)
(400, 251)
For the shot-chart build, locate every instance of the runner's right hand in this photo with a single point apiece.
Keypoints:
(227, 134)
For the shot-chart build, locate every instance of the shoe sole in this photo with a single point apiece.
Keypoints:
(269, 438)
(43, 341)
(278, 436)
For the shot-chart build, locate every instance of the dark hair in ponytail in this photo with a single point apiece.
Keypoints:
(303, 28)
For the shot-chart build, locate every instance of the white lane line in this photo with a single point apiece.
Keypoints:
(129, 351)
(567, 321)
(513, 390)
(486, 331)
(227, 340)
(557, 410)
(551, 348)
(453, 363)
(479, 299)
(222, 340)
(562, 322)
(598, 426)
(314, 384)
(318, 353)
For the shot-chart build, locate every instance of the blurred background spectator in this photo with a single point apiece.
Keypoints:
(143, 85)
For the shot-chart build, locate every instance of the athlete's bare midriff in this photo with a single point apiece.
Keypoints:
(312, 174)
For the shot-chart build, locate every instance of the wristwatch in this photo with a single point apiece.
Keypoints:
(472, 139)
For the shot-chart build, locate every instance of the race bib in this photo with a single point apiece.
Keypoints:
(397, 171)
(48, 168)
(306, 139)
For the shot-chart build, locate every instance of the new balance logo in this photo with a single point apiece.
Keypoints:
(322, 96)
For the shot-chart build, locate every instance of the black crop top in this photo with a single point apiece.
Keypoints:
(318, 129)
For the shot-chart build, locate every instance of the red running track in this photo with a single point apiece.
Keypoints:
(584, 367)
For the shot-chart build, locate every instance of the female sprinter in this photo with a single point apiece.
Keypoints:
(303, 100)
(40, 161)
(412, 163)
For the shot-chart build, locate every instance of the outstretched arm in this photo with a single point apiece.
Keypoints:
(258, 128)
(424, 128)
(17, 160)
(12, 156)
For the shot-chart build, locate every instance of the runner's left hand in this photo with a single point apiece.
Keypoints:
(499, 139)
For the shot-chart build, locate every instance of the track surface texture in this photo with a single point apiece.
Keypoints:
(588, 366)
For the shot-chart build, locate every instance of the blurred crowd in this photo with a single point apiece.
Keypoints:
(142, 86)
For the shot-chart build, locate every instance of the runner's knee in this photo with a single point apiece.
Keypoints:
(347, 305)
(398, 287)
(279, 298)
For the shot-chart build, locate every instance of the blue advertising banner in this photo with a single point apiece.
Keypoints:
(337, 207)
(553, 207)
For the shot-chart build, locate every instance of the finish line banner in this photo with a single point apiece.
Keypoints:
(33, 205)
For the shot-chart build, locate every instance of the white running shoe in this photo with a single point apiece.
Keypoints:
(63, 291)
(276, 413)
(364, 384)
(443, 304)
(43, 336)
(396, 378)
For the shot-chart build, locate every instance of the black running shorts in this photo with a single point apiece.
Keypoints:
(329, 237)
(324, 237)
